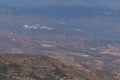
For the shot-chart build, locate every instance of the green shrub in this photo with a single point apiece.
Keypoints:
(15, 66)
(59, 72)
(3, 69)
(49, 77)
(34, 76)
(2, 77)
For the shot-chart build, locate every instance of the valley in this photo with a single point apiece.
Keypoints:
(75, 33)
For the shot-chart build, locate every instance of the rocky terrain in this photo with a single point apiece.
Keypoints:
(35, 67)
(79, 31)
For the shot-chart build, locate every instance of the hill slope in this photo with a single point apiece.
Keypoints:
(33, 67)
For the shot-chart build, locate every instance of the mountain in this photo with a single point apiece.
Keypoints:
(35, 67)
(84, 31)
(94, 18)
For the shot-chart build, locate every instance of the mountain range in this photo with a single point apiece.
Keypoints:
(97, 18)
(79, 31)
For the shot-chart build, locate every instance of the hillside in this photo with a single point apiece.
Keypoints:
(71, 31)
(35, 67)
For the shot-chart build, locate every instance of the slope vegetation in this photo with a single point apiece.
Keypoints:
(35, 67)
